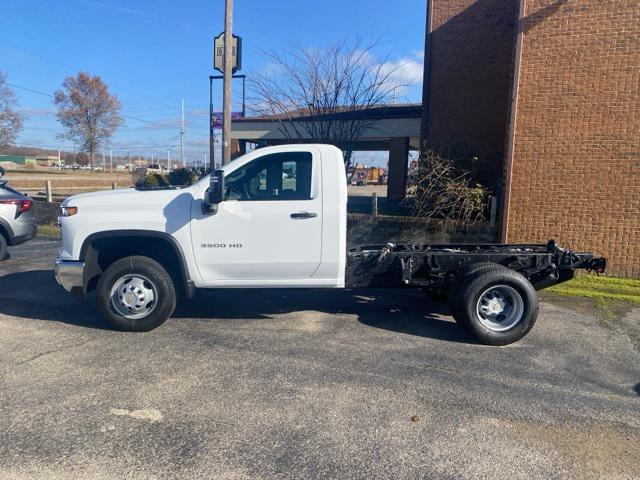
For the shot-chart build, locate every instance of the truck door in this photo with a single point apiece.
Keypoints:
(270, 225)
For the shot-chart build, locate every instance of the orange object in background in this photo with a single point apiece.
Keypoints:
(364, 175)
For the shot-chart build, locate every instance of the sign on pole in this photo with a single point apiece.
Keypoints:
(218, 53)
(217, 118)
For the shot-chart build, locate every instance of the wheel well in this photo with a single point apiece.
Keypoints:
(102, 252)
(5, 234)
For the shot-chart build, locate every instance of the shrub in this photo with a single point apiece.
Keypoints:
(441, 191)
(150, 181)
(182, 176)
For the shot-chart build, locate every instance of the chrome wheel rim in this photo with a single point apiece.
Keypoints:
(500, 308)
(133, 296)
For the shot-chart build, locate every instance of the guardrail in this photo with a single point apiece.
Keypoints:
(47, 194)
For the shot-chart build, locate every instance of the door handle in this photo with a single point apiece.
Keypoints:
(304, 215)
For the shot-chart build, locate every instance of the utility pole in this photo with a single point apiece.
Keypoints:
(228, 66)
(103, 160)
(181, 130)
(168, 161)
(111, 160)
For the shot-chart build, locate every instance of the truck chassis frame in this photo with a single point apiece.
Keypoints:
(433, 267)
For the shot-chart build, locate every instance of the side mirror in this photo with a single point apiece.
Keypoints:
(215, 194)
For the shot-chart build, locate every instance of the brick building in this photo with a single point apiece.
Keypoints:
(548, 93)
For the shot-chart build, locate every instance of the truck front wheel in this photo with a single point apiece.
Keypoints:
(499, 306)
(136, 294)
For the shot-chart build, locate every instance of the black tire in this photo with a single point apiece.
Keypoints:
(4, 251)
(463, 277)
(521, 306)
(154, 278)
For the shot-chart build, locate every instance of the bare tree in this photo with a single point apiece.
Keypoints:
(322, 94)
(10, 118)
(88, 112)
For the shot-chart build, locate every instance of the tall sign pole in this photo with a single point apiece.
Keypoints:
(228, 67)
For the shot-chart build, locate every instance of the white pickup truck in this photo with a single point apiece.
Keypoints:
(276, 218)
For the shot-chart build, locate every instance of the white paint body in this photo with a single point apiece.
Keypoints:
(244, 243)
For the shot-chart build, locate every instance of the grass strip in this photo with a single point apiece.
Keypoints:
(593, 286)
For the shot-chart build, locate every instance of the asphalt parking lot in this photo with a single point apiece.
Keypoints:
(305, 384)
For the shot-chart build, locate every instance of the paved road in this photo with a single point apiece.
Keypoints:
(304, 384)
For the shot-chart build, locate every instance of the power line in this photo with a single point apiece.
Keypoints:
(160, 125)
(43, 129)
(45, 57)
(29, 89)
(37, 54)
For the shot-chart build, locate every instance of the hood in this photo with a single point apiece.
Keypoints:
(128, 196)
(130, 209)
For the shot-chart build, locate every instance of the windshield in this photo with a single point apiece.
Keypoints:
(227, 167)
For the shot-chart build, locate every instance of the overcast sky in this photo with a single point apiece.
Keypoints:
(152, 53)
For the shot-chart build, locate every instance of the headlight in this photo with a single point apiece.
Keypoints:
(68, 211)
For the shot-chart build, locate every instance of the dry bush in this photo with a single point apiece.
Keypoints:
(438, 190)
(151, 181)
(182, 176)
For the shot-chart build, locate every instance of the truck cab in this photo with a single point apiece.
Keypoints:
(281, 221)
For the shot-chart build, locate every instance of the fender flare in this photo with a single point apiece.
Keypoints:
(90, 257)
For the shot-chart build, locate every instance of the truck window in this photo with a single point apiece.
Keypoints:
(279, 176)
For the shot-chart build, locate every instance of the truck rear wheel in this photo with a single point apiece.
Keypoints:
(499, 306)
(463, 277)
(136, 294)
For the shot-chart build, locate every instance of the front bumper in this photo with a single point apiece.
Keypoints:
(69, 274)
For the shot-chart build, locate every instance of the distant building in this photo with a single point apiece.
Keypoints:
(49, 161)
(18, 160)
(47, 158)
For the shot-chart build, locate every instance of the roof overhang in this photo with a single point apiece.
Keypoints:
(376, 137)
